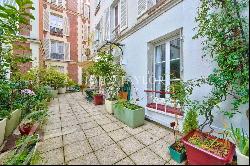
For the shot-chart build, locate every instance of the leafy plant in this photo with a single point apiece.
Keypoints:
(128, 105)
(11, 18)
(54, 78)
(224, 31)
(190, 122)
(241, 140)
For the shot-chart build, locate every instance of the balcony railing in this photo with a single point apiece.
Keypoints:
(56, 31)
(57, 56)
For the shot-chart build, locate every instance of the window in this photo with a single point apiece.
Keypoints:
(57, 50)
(57, 2)
(167, 65)
(56, 24)
(144, 5)
(86, 11)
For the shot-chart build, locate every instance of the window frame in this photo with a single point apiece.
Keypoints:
(57, 45)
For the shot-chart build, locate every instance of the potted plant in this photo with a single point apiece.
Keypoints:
(98, 99)
(130, 114)
(62, 83)
(242, 142)
(205, 149)
(25, 127)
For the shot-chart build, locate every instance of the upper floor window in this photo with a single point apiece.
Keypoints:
(86, 11)
(116, 15)
(56, 24)
(57, 50)
(144, 5)
(57, 2)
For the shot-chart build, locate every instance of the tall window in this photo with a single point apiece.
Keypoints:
(56, 24)
(167, 65)
(57, 50)
(57, 2)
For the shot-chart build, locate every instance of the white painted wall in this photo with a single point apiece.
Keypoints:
(135, 52)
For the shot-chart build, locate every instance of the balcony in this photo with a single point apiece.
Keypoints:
(56, 31)
(57, 56)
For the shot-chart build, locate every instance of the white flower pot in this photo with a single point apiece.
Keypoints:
(2, 130)
(13, 122)
(62, 90)
(241, 159)
(54, 93)
(109, 106)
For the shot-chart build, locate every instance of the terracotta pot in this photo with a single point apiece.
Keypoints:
(98, 99)
(25, 128)
(123, 95)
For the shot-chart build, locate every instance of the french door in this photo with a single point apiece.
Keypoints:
(167, 65)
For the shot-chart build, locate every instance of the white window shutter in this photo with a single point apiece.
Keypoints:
(142, 7)
(86, 32)
(46, 20)
(66, 26)
(47, 46)
(124, 14)
(67, 51)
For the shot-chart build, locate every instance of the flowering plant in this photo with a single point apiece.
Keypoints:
(27, 92)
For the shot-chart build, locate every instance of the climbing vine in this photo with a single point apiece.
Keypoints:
(224, 30)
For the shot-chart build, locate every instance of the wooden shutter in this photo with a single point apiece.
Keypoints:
(46, 20)
(142, 7)
(67, 51)
(124, 14)
(47, 46)
(66, 27)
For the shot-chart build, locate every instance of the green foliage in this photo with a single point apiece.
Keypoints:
(128, 105)
(224, 32)
(10, 20)
(24, 151)
(54, 78)
(241, 140)
(190, 122)
(109, 72)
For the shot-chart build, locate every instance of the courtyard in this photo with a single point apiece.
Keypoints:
(77, 132)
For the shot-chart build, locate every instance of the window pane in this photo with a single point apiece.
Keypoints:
(175, 69)
(160, 71)
(160, 53)
(53, 47)
(160, 86)
(175, 49)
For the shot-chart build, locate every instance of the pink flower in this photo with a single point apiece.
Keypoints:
(28, 92)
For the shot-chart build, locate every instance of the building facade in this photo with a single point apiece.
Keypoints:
(58, 36)
(64, 35)
(158, 49)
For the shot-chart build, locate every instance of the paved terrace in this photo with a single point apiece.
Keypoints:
(77, 132)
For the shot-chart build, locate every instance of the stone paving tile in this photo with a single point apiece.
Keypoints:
(160, 132)
(88, 159)
(94, 132)
(126, 161)
(52, 133)
(69, 123)
(103, 121)
(82, 120)
(111, 127)
(134, 131)
(89, 125)
(70, 129)
(77, 149)
(130, 145)
(100, 141)
(118, 135)
(53, 126)
(146, 157)
(146, 138)
(150, 126)
(161, 148)
(73, 137)
(49, 158)
(110, 155)
(50, 144)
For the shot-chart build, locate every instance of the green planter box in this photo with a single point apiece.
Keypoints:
(2, 130)
(176, 156)
(13, 122)
(132, 118)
